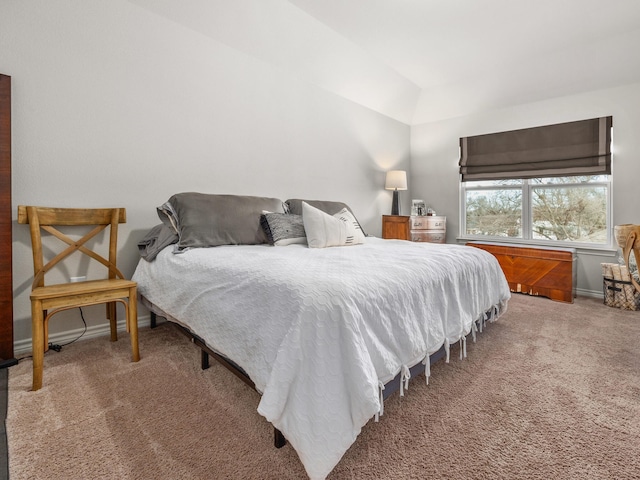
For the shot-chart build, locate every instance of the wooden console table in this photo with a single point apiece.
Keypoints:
(549, 272)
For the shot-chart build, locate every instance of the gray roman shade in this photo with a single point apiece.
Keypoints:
(564, 149)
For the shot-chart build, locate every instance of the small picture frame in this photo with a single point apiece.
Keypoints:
(418, 207)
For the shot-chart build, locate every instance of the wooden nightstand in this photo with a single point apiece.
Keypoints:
(396, 226)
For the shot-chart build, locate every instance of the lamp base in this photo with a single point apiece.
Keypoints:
(395, 206)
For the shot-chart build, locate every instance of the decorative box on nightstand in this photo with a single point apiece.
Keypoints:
(430, 228)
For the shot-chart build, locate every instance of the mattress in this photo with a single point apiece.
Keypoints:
(320, 331)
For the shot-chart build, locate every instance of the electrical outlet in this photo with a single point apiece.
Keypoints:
(78, 279)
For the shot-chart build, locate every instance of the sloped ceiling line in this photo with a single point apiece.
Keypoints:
(419, 61)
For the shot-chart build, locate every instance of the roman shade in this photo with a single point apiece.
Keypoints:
(565, 149)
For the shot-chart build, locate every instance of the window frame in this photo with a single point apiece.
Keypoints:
(526, 218)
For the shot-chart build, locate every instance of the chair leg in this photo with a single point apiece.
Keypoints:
(127, 317)
(132, 320)
(37, 339)
(113, 320)
(45, 340)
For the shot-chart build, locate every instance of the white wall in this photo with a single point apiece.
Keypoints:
(435, 155)
(116, 106)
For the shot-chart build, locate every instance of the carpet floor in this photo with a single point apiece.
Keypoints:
(550, 390)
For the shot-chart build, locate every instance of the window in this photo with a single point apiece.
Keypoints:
(555, 210)
(548, 184)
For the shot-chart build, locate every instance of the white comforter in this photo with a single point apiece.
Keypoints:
(317, 330)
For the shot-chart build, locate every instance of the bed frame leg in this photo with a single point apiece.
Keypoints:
(204, 360)
(153, 322)
(278, 438)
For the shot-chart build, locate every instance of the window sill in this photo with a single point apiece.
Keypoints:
(601, 250)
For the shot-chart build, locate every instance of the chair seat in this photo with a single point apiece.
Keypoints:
(98, 287)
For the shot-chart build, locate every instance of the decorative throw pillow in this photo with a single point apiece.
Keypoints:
(283, 229)
(324, 230)
(294, 206)
(353, 226)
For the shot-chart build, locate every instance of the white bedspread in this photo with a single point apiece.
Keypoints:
(317, 330)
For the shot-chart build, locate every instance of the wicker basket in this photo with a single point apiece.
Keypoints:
(620, 294)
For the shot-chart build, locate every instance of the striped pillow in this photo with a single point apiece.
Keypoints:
(324, 230)
(283, 229)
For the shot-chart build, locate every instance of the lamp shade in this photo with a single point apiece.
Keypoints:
(396, 180)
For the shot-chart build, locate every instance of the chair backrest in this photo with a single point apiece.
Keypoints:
(47, 219)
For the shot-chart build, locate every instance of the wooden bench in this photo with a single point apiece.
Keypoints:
(549, 272)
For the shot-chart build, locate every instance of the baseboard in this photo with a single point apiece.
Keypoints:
(590, 293)
(21, 347)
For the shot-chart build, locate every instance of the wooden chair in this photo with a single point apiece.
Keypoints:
(48, 300)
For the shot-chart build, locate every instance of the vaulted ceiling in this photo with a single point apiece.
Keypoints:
(424, 60)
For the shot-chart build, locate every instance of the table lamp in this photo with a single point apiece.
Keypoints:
(396, 180)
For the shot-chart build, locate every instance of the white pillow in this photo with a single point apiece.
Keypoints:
(324, 230)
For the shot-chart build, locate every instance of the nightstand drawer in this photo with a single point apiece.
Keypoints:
(431, 236)
(428, 223)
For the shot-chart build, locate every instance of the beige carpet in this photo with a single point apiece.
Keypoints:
(550, 391)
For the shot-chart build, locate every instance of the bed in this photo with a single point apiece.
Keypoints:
(320, 332)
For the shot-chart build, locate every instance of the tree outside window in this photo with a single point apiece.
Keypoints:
(554, 210)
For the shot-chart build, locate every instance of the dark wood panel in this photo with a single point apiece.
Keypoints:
(536, 271)
(396, 226)
(6, 283)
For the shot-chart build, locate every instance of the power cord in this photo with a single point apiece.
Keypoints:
(57, 347)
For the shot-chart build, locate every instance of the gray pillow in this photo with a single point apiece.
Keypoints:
(294, 206)
(283, 229)
(155, 240)
(207, 220)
